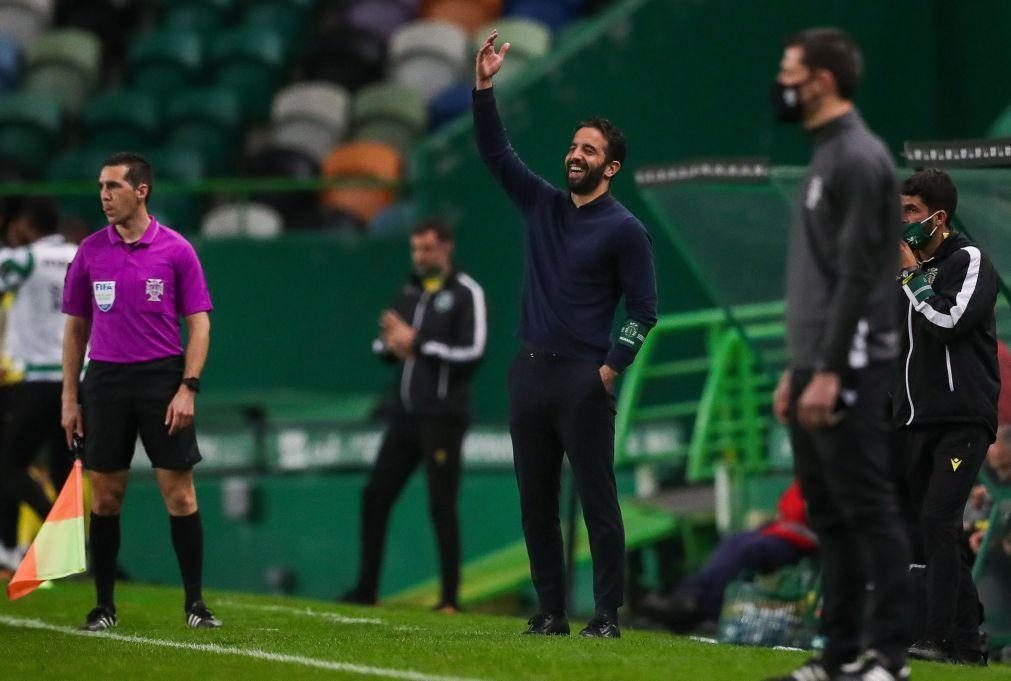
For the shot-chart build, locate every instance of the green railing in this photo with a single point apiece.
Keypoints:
(727, 421)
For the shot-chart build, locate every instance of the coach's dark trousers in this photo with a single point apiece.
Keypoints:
(938, 466)
(844, 475)
(560, 405)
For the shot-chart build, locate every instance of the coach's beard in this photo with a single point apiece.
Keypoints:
(585, 182)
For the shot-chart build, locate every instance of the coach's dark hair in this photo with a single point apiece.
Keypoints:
(41, 213)
(935, 189)
(138, 170)
(834, 51)
(617, 147)
(442, 229)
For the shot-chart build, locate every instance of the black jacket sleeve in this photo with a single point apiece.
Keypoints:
(964, 297)
(522, 185)
(638, 285)
(868, 244)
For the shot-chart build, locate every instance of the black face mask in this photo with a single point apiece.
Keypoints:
(785, 100)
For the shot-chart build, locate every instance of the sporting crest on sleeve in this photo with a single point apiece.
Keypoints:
(105, 294)
(930, 275)
(155, 289)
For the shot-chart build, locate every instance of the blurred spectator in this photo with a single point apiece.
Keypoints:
(699, 597)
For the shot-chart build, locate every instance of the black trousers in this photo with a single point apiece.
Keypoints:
(844, 475)
(410, 440)
(32, 425)
(938, 466)
(560, 405)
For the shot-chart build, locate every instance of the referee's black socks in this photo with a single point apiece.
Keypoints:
(104, 550)
(188, 541)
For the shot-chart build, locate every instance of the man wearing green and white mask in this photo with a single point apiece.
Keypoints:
(944, 406)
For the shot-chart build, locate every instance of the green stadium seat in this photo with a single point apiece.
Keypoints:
(166, 61)
(204, 18)
(181, 212)
(283, 17)
(1002, 126)
(30, 125)
(80, 165)
(206, 121)
(121, 120)
(66, 63)
(249, 61)
(390, 113)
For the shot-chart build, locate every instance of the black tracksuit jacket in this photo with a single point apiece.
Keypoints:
(948, 366)
(452, 333)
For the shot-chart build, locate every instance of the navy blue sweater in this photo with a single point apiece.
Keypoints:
(579, 261)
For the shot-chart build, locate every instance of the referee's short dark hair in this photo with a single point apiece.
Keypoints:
(41, 213)
(834, 51)
(935, 188)
(617, 147)
(138, 170)
(443, 232)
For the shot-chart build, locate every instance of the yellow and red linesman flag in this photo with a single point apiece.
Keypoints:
(58, 549)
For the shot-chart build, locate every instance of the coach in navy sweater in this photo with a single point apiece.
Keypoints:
(583, 252)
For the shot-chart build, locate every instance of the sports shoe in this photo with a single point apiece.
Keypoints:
(199, 617)
(812, 670)
(546, 624)
(873, 666)
(601, 626)
(930, 650)
(99, 619)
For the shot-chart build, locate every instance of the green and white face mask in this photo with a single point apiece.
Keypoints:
(915, 233)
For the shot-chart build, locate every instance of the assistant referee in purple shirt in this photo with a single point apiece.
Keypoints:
(125, 292)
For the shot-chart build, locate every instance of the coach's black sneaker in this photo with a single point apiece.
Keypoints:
(99, 619)
(199, 617)
(601, 626)
(812, 670)
(930, 650)
(547, 624)
(873, 666)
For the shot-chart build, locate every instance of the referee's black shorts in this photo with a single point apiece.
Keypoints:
(122, 401)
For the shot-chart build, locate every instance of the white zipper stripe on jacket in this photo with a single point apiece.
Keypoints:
(475, 350)
(947, 361)
(909, 356)
(405, 380)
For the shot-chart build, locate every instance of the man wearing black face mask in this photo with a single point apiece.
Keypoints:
(944, 405)
(583, 252)
(436, 333)
(842, 342)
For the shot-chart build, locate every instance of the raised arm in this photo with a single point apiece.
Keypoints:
(522, 185)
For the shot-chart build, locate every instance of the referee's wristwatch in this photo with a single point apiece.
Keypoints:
(192, 383)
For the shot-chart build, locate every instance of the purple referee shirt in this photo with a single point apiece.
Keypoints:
(135, 293)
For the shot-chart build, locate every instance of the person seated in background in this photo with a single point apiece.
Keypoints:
(777, 544)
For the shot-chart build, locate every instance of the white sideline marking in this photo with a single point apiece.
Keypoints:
(255, 653)
(309, 612)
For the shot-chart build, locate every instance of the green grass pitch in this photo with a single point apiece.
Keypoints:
(281, 638)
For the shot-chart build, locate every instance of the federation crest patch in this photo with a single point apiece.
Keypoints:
(155, 289)
(444, 301)
(105, 294)
(931, 274)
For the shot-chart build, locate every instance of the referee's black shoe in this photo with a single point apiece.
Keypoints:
(548, 624)
(99, 619)
(199, 617)
(601, 626)
(930, 650)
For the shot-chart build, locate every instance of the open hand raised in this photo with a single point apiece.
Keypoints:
(489, 61)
